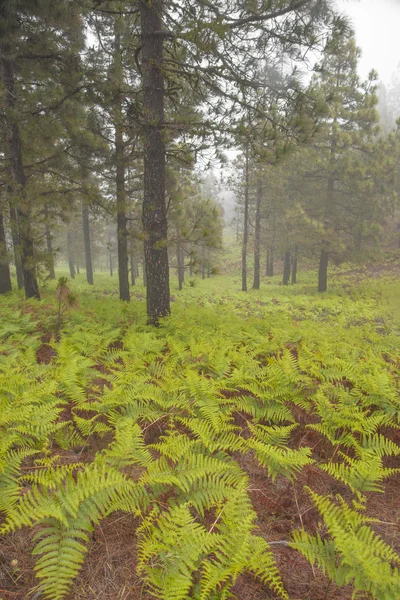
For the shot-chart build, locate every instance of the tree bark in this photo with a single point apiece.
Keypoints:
(122, 229)
(110, 262)
(5, 277)
(294, 264)
(133, 270)
(323, 271)
(144, 274)
(49, 244)
(245, 222)
(70, 254)
(286, 268)
(16, 247)
(154, 214)
(86, 240)
(180, 263)
(270, 264)
(22, 204)
(257, 234)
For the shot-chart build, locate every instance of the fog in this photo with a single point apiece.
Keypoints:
(376, 23)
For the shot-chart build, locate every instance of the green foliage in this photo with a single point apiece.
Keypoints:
(352, 553)
(166, 420)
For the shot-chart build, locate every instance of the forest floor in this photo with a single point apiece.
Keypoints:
(331, 361)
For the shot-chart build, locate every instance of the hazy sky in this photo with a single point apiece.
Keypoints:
(377, 27)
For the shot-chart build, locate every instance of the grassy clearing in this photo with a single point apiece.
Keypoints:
(248, 448)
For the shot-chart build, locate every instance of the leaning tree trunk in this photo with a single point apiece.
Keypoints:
(257, 233)
(245, 223)
(122, 228)
(294, 264)
(154, 214)
(5, 277)
(16, 247)
(70, 253)
(22, 204)
(86, 240)
(286, 268)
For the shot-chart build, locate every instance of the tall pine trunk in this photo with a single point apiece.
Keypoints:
(21, 202)
(286, 268)
(180, 262)
(5, 277)
(86, 240)
(70, 253)
(49, 244)
(323, 271)
(133, 270)
(122, 228)
(270, 264)
(154, 214)
(324, 255)
(245, 222)
(257, 243)
(16, 246)
(294, 264)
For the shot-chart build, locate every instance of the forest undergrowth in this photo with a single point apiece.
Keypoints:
(247, 448)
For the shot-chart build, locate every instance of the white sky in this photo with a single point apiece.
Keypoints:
(377, 27)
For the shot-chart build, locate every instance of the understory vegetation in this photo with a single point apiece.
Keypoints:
(246, 448)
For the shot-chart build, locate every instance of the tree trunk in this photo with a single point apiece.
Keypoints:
(77, 268)
(49, 244)
(122, 229)
(323, 271)
(144, 274)
(270, 264)
(110, 262)
(180, 263)
(16, 247)
(133, 270)
(245, 223)
(286, 268)
(154, 214)
(22, 204)
(86, 240)
(257, 243)
(294, 264)
(5, 277)
(70, 254)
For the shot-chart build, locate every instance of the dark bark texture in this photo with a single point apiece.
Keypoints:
(5, 277)
(122, 228)
(133, 270)
(286, 268)
(86, 239)
(323, 271)
(154, 209)
(16, 246)
(70, 254)
(294, 264)
(245, 223)
(257, 241)
(19, 183)
(49, 244)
